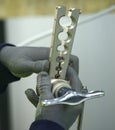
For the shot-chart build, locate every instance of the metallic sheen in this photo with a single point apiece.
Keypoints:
(72, 98)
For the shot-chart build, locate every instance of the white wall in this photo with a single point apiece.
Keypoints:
(94, 45)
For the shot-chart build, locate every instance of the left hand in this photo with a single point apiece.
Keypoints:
(23, 61)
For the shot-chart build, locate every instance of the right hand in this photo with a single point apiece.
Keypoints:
(64, 115)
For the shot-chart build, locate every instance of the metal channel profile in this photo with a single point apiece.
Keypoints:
(59, 58)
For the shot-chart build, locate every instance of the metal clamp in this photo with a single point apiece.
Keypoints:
(59, 59)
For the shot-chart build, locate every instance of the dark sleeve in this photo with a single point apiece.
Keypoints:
(5, 75)
(45, 125)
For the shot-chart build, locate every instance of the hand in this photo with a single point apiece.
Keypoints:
(23, 61)
(64, 115)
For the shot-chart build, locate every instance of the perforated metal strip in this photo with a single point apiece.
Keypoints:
(59, 58)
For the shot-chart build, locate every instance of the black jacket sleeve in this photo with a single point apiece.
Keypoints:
(5, 75)
(45, 125)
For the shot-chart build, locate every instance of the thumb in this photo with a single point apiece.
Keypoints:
(44, 86)
(32, 97)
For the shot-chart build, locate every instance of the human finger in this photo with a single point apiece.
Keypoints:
(74, 80)
(32, 97)
(74, 63)
(44, 86)
(26, 67)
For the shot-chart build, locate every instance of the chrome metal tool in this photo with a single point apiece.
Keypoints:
(59, 58)
(73, 98)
